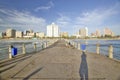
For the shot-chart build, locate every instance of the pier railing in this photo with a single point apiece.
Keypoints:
(107, 50)
(22, 49)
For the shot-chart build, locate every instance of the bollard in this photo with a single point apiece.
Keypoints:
(66, 44)
(42, 45)
(73, 44)
(35, 47)
(78, 46)
(23, 49)
(110, 51)
(45, 45)
(10, 54)
(98, 49)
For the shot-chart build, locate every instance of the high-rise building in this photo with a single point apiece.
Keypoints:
(52, 30)
(29, 31)
(96, 34)
(64, 34)
(1, 34)
(108, 32)
(31, 34)
(19, 34)
(11, 33)
(83, 32)
(40, 34)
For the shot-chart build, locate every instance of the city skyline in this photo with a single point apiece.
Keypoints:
(37, 14)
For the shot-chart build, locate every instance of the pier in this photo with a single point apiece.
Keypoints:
(60, 62)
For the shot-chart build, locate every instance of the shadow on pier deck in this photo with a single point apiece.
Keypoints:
(83, 67)
(60, 62)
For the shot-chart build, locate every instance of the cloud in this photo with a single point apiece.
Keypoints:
(97, 16)
(63, 21)
(47, 7)
(94, 19)
(23, 20)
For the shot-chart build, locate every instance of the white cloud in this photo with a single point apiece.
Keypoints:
(63, 21)
(18, 19)
(42, 8)
(47, 7)
(97, 16)
(1, 20)
(94, 19)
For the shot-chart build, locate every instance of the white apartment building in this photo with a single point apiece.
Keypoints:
(1, 35)
(83, 32)
(11, 33)
(41, 34)
(19, 34)
(52, 30)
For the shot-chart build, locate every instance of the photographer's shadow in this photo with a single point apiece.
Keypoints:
(83, 71)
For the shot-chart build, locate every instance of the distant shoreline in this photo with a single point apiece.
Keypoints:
(59, 38)
(101, 39)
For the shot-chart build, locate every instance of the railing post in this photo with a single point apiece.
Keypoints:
(35, 47)
(110, 51)
(42, 45)
(23, 49)
(66, 44)
(10, 54)
(98, 49)
(45, 45)
(73, 44)
(78, 46)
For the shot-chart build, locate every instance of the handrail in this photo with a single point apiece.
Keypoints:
(3, 48)
(101, 49)
(24, 49)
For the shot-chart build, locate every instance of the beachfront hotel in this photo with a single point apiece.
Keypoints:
(96, 34)
(52, 30)
(19, 34)
(83, 32)
(64, 34)
(11, 33)
(108, 32)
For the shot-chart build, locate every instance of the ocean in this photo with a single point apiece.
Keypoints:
(104, 46)
(4, 45)
(90, 46)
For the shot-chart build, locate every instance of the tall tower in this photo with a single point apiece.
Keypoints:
(83, 32)
(11, 33)
(52, 30)
(86, 29)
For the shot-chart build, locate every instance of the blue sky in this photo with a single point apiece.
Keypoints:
(69, 15)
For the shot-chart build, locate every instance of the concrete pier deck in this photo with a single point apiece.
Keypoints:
(60, 62)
